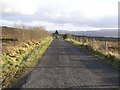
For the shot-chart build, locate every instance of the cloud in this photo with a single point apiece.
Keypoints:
(24, 7)
(74, 13)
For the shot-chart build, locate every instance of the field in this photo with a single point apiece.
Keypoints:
(21, 50)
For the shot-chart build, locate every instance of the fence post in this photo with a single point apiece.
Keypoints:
(106, 46)
(94, 40)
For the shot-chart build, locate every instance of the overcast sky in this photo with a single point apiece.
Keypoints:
(61, 14)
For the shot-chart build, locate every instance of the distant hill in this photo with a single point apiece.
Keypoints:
(97, 33)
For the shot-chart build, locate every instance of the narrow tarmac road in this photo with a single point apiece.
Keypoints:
(66, 66)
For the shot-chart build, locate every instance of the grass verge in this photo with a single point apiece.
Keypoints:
(20, 60)
(112, 60)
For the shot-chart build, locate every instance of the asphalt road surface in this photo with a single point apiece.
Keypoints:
(65, 66)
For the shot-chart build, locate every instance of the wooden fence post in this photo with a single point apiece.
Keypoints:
(106, 46)
(94, 40)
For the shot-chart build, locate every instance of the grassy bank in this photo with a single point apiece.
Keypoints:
(20, 59)
(110, 59)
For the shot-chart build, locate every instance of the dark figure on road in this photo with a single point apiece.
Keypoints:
(56, 34)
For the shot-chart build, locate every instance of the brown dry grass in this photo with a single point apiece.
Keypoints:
(15, 36)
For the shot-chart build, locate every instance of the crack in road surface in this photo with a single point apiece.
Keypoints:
(66, 66)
